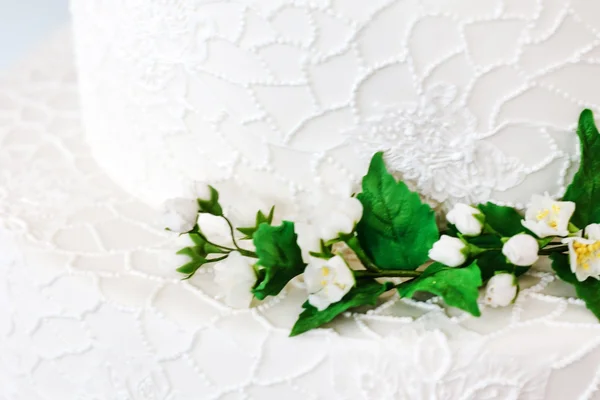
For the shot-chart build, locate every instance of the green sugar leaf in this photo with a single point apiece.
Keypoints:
(189, 268)
(504, 220)
(588, 290)
(458, 287)
(485, 241)
(396, 230)
(261, 218)
(279, 256)
(585, 188)
(197, 259)
(494, 261)
(211, 206)
(366, 292)
(203, 247)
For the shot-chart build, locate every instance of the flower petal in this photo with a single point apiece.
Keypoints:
(319, 301)
(592, 232)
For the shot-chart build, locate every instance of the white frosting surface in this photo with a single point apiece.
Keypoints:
(90, 307)
(279, 100)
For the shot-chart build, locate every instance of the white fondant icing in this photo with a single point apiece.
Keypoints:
(474, 101)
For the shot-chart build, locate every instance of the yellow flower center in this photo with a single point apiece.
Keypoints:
(586, 253)
(550, 215)
(325, 272)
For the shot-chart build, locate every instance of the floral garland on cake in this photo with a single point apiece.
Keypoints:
(386, 238)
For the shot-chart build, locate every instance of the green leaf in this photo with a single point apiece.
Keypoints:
(354, 245)
(493, 261)
(545, 241)
(204, 247)
(396, 230)
(261, 218)
(279, 256)
(588, 290)
(585, 188)
(458, 287)
(198, 254)
(504, 220)
(192, 252)
(197, 260)
(211, 206)
(485, 241)
(366, 292)
(189, 268)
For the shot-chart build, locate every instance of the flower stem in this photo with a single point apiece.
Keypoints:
(214, 260)
(212, 243)
(232, 231)
(362, 256)
(387, 274)
(247, 253)
(555, 249)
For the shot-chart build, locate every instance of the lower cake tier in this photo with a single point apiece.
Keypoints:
(91, 307)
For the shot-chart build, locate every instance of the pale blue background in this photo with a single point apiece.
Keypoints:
(25, 23)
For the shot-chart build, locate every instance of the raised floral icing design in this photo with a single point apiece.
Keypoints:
(392, 233)
(433, 144)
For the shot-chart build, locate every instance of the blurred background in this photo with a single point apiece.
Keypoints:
(24, 23)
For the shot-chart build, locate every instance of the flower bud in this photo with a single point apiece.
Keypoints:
(449, 251)
(521, 250)
(179, 215)
(467, 219)
(501, 290)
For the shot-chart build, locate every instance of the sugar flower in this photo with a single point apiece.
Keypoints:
(546, 217)
(584, 253)
(449, 251)
(236, 278)
(501, 290)
(327, 281)
(467, 219)
(521, 250)
(180, 215)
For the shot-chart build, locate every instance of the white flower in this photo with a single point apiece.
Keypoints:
(464, 217)
(308, 240)
(236, 278)
(546, 217)
(215, 229)
(449, 251)
(342, 219)
(170, 259)
(328, 224)
(521, 250)
(584, 253)
(179, 215)
(202, 191)
(327, 281)
(501, 290)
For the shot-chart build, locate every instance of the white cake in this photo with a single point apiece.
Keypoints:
(285, 98)
(281, 102)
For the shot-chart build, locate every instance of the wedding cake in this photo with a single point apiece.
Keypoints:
(282, 102)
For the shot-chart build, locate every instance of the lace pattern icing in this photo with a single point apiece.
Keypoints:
(282, 99)
(90, 307)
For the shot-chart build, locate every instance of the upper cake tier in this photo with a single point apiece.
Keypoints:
(285, 101)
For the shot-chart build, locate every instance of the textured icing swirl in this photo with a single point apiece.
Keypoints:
(280, 100)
